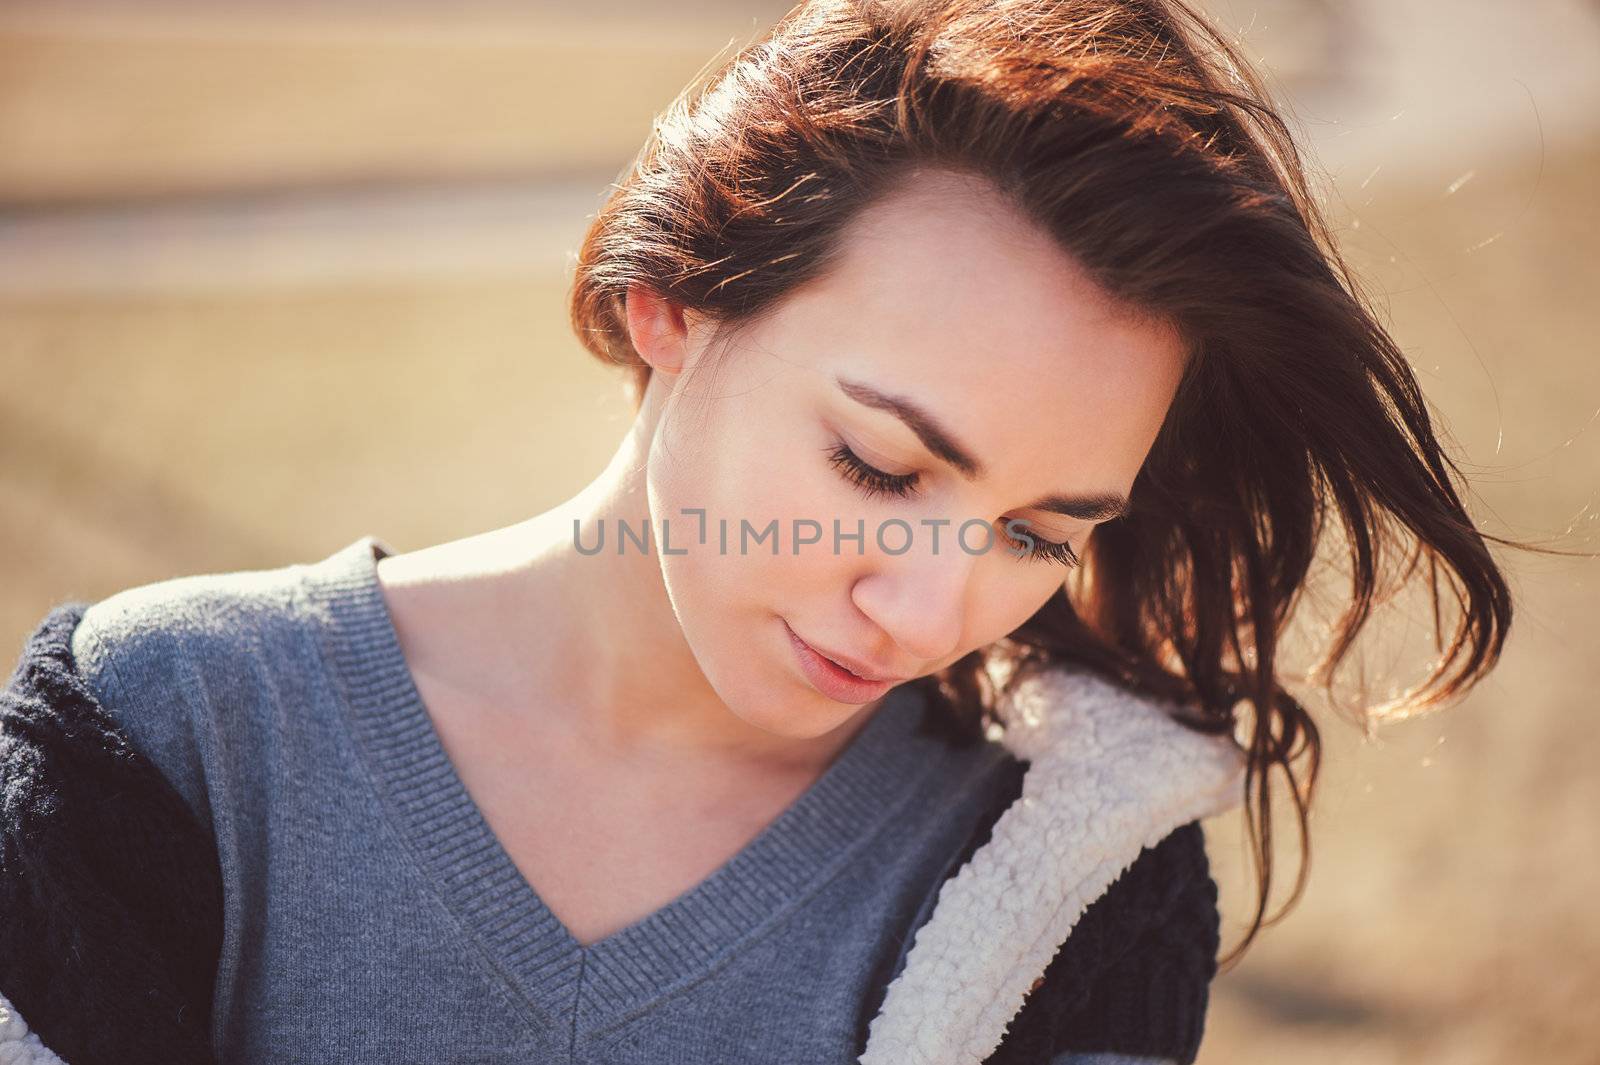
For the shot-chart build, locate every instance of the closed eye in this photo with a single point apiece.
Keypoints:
(868, 478)
(874, 482)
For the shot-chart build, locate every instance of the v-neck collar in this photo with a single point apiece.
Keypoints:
(477, 880)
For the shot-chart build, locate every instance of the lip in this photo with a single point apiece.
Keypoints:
(856, 667)
(832, 679)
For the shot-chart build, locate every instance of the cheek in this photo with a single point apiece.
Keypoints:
(704, 458)
(1010, 591)
(748, 464)
(791, 484)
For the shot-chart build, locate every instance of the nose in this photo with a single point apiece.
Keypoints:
(919, 598)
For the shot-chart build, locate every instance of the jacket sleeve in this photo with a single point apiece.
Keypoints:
(1134, 978)
(109, 886)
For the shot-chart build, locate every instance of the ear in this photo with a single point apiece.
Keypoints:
(662, 332)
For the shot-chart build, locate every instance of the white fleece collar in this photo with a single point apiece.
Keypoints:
(1111, 773)
(18, 1046)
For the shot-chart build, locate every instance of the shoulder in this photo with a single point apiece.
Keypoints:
(1134, 977)
(109, 885)
(167, 628)
(161, 658)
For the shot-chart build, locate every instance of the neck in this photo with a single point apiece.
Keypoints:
(591, 643)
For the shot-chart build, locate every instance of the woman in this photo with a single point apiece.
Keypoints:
(994, 376)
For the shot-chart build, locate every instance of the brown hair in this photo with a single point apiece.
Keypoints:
(1138, 137)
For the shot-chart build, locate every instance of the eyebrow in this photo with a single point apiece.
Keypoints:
(1101, 506)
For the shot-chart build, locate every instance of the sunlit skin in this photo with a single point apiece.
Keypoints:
(943, 296)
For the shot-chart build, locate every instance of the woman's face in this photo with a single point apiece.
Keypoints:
(959, 352)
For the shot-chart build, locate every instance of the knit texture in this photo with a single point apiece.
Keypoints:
(116, 965)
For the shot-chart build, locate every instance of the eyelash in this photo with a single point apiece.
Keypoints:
(874, 482)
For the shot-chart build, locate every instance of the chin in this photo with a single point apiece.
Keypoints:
(777, 699)
(797, 714)
(791, 709)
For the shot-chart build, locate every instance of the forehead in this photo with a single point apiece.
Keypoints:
(944, 293)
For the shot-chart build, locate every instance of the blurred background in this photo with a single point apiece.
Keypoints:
(277, 275)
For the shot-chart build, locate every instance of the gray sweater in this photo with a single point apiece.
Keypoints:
(372, 915)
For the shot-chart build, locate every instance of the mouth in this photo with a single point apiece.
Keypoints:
(832, 679)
